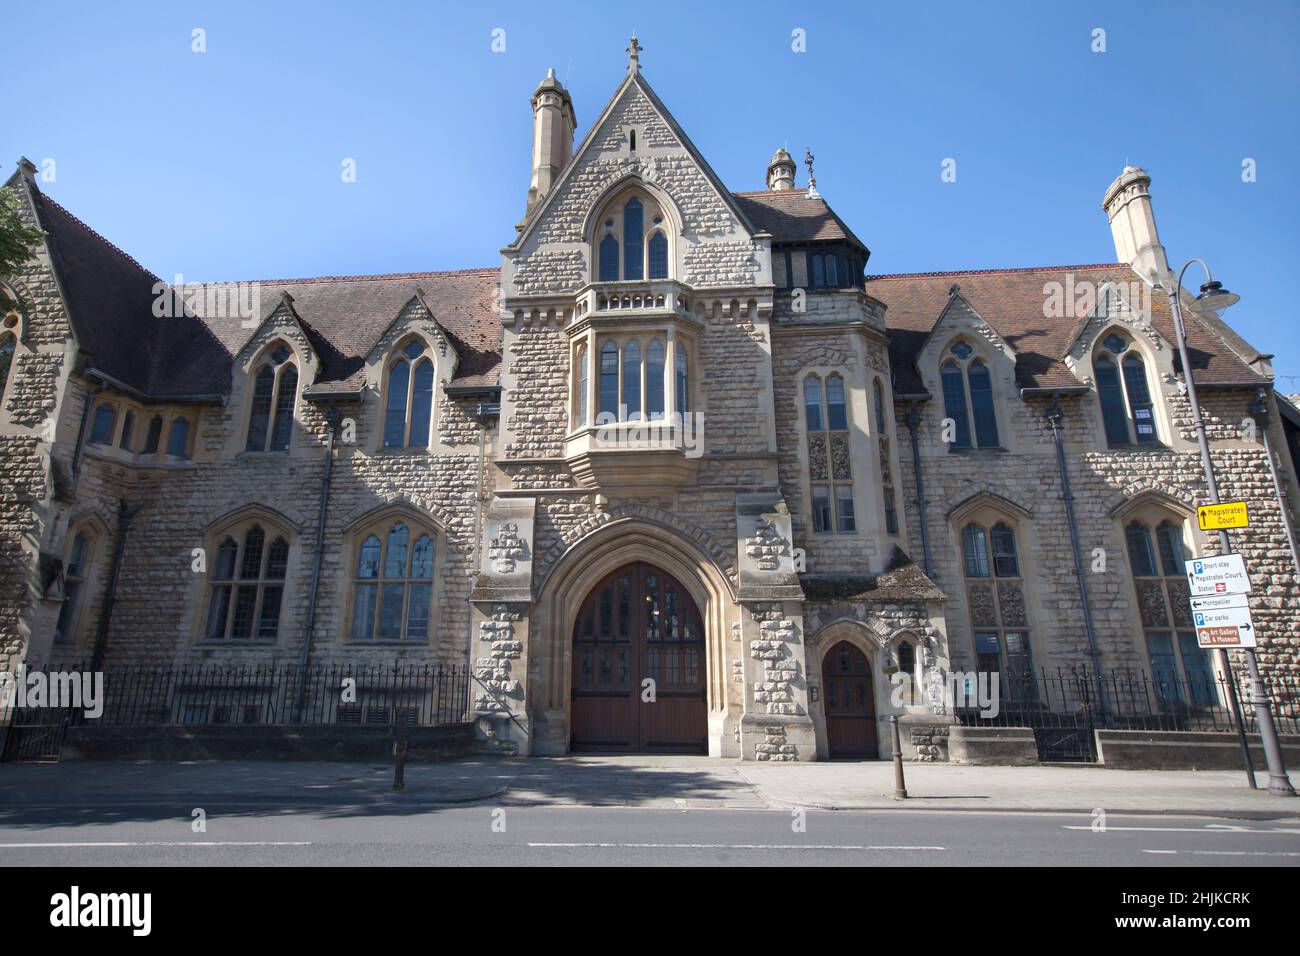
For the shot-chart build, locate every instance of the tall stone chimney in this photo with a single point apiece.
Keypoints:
(1133, 224)
(553, 126)
(780, 172)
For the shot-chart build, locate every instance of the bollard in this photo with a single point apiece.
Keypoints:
(400, 746)
(900, 788)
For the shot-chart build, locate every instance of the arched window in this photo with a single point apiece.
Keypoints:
(1127, 410)
(658, 255)
(408, 412)
(633, 238)
(654, 380)
(128, 426)
(968, 398)
(392, 591)
(829, 460)
(178, 438)
(609, 257)
(907, 666)
(1180, 668)
(153, 436)
(104, 424)
(75, 570)
(246, 584)
(996, 598)
(683, 380)
(275, 391)
(981, 400)
(878, 394)
(7, 345)
(837, 416)
(812, 403)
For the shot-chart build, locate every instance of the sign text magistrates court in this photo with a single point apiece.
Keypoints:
(1223, 516)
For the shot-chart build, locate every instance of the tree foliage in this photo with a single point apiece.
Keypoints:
(16, 241)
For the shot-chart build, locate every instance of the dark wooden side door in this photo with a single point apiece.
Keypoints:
(849, 703)
(639, 623)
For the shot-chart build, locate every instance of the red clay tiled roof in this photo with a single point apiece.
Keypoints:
(111, 297)
(349, 314)
(791, 215)
(110, 301)
(1012, 302)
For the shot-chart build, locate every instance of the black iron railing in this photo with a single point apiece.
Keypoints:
(1129, 700)
(343, 694)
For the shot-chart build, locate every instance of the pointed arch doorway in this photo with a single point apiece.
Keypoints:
(637, 624)
(850, 704)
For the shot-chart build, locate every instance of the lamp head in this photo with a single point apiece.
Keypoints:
(1215, 298)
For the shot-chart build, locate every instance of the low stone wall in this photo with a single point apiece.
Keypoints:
(252, 742)
(924, 737)
(992, 746)
(1182, 750)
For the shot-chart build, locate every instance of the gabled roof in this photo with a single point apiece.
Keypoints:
(346, 316)
(633, 79)
(110, 299)
(1012, 302)
(791, 215)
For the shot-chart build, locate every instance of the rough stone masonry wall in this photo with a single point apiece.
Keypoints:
(537, 396)
(31, 399)
(718, 254)
(161, 600)
(1102, 480)
(866, 550)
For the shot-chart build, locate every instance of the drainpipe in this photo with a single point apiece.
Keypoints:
(1054, 418)
(474, 549)
(913, 420)
(332, 418)
(124, 516)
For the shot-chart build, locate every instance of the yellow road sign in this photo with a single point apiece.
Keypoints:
(1221, 517)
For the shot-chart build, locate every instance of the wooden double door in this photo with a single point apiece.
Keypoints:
(850, 705)
(639, 667)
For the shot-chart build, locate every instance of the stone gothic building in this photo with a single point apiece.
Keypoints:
(678, 434)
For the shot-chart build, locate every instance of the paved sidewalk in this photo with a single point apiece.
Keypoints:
(642, 781)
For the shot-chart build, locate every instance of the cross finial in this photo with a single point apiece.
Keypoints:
(634, 55)
(808, 161)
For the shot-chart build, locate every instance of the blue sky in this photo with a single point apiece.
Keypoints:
(226, 164)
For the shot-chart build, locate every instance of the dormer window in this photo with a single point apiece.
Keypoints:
(275, 392)
(632, 242)
(1127, 410)
(409, 410)
(968, 398)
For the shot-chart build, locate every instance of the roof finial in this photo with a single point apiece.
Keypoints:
(634, 55)
(812, 180)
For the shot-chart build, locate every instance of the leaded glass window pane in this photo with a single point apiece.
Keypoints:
(954, 403)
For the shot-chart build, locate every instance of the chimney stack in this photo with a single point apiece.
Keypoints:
(553, 126)
(780, 172)
(1133, 224)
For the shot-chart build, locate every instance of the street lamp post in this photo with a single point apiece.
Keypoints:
(1216, 298)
